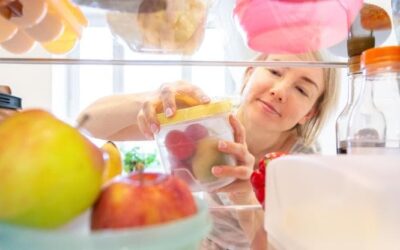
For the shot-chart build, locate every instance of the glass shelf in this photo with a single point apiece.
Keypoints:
(67, 61)
(223, 44)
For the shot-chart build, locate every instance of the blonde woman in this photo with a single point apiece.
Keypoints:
(282, 109)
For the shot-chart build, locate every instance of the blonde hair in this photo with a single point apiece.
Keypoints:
(324, 105)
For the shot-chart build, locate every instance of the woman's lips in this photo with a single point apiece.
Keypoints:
(269, 108)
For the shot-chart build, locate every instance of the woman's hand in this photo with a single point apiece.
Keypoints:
(240, 191)
(165, 97)
(4, 113)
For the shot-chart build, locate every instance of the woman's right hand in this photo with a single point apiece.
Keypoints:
(165, 98)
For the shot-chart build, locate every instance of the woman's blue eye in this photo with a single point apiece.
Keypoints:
(275, 72)
(301, 91)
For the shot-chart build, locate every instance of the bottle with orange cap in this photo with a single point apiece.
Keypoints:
(374, 123)
(355, 46)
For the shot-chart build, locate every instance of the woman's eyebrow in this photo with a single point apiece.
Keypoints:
(305, 78)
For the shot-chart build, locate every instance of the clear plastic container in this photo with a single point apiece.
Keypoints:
(374, 123)
(344, 202)
(157, 26)
(188, 142)
(182, 234)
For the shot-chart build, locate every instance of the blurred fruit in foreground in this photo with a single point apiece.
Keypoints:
(113, 165)
(142, 199)
(258, 177)
(50, 173)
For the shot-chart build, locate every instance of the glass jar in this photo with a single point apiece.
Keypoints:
(354, 86)
(374, 124)
(188, 144)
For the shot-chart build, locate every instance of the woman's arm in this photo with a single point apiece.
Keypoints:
(133, 116)
(115, 117)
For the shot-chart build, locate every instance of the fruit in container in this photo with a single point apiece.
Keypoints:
(179, 145)
(50, 171)
(196, 131)
(163, 26)
(207, 156)
(113, 166)
(142, 199)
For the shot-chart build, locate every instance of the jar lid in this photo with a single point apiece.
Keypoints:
(10, 102)
(387, 54)
(354, 64)
(196, 112)
(357, 44)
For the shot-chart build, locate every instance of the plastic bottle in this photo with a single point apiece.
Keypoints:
(374, 124)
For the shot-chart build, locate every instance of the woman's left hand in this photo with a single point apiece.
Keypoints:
(240, 191)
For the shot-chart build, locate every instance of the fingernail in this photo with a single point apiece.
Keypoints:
(216, 170)
(168, 112)
(154, 128)
(222, 144)
(205, 98)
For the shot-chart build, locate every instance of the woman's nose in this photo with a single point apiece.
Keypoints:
(278, 94)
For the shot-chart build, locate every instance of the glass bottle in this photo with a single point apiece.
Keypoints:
(354, 86)
(374, 123)
(355, 46)
(396, 18)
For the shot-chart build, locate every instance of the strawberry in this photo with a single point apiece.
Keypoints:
(258, 177)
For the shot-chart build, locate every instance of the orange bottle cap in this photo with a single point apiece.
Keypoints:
(389, 54)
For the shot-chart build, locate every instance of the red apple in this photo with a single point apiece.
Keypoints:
(142, 199)
(196, 131)
(179, 145)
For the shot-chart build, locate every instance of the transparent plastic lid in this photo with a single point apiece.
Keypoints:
(196, 112)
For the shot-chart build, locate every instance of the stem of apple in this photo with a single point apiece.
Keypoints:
(140, 169)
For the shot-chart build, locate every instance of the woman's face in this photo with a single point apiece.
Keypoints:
(276, 99)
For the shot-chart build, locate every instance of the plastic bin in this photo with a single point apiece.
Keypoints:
(333, 202)
(184, 234)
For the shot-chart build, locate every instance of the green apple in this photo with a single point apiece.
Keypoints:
(49, 172)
